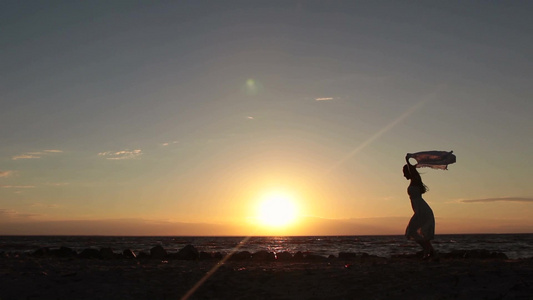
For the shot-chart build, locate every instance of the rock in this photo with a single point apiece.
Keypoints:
(63, 252)
(310, 256)
(474, 253)
(90, 253)
(499, 255)
(298, 256)
(405, 256)
(41, 251)
(188, 252)
(263, 255)
(210, 255)
(284, 256)
(347, 255)
(454, 254)
(477, 253)
(143, 255)
(128, 254)
(243, 255)
(171, 256)
(158, 252)
(107, 253)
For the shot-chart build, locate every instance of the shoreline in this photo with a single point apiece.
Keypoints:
(514, 246)
(190, 252)
(261, 276)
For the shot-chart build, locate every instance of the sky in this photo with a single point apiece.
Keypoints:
(181, 117)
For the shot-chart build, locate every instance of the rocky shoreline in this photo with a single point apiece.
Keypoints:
(62, 273)
(189, 252)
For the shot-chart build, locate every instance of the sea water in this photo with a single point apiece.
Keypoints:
(513, 245)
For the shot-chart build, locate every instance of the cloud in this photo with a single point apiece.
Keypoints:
(58, 183)
(25, 156)
(35, 154)
(14, 223)
(17, 186)
(19, 226)
(168, 143)
(45, 205)
(119, 155)
(7, 212)
(5, 173)
(500, 199)
(324, 99)
(250, 118)
(10, 214)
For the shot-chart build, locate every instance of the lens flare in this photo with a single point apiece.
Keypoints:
(252, 87)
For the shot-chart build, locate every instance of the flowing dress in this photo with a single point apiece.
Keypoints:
(422, 224)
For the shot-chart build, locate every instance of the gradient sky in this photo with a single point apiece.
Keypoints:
(175, 117)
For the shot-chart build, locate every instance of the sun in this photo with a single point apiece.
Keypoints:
(277, 209)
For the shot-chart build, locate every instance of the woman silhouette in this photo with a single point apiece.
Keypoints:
(421, 227)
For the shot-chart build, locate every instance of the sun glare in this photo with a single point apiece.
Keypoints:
(277, 210)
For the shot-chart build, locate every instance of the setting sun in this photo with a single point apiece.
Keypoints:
(277, 210)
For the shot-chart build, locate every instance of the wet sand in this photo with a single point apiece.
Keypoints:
(28, 277)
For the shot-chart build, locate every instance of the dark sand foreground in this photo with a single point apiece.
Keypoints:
(29, 277)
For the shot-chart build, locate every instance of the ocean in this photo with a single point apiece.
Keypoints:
(513, 245)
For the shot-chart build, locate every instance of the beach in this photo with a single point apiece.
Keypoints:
(268, 149)
(31, 277)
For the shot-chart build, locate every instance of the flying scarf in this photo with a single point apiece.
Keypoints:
(432, 159)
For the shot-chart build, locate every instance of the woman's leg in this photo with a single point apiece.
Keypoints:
(429, 251)
(430, 248)
(423, 244)
(426, 247)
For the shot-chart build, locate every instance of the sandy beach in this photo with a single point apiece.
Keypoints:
(29, 277)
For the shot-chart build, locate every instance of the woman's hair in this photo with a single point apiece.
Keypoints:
(411, 173)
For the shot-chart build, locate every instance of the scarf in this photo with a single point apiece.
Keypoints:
(432, 159)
